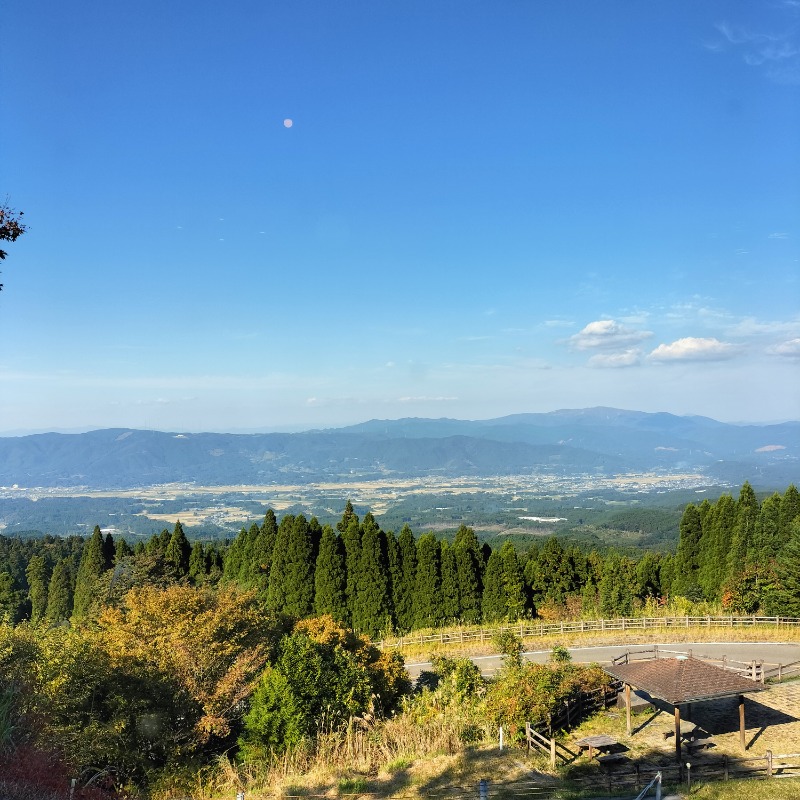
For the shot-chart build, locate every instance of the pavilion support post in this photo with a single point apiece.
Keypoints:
(678, 733)
(628, 707)
(741, 721)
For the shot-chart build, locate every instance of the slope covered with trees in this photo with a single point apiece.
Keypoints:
(154, 660)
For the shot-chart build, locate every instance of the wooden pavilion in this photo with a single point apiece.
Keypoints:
(682, 681)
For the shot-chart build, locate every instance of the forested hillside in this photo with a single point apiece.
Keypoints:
(151, 661)
(379, 582)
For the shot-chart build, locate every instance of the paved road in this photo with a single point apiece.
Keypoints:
(773, 652)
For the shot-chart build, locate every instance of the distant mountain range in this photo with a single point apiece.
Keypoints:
(595, 440)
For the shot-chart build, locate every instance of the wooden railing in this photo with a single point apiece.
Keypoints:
(721, 769)
(532, 630)
(541, 734)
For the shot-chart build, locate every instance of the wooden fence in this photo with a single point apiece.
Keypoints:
(724, 768)
(531, 630)
(540, 734)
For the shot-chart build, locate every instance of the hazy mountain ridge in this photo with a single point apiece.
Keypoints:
(598, 440)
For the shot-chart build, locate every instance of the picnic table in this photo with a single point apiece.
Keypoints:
(601, 742)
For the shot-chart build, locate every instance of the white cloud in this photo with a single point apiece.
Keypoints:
(778, 236)
(607, 334)
(777, 54)
(694, 349)
(750, 326)
(628, 358)
(424, 399)
(788, 349)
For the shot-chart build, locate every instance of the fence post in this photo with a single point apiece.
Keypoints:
(239, 795)
(72, 788)
(725, 768)
(483, 789)
(769, 763)
(552, 751)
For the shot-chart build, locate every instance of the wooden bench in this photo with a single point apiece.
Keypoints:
(601, 742)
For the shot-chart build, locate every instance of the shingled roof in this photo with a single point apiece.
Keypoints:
(682, 680)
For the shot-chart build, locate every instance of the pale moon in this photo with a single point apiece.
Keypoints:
(287, 123)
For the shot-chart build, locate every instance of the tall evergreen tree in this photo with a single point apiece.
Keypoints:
(616, 598)
(469, 567)
(92, 566)
(371, 608)
(291, 580)
(427, 594)
(198, 568)
(121, 550)
(261, 557)
(178, 551)
(742, 551)
(60, 593)
(11, 599)
(494, 600)
(790, 510)
(513, 583)
(395, 570)
(330, 578)
(648, 575)
(687, 558)
(351, 539)
(451, 607)
(247, 567)
(214, 562)
(403, 590)
(109, 551)
(550, 573)
(163, 540)
(232, 562)
(347, 517)
(315, 533)
(768, 531)
(715, 544)
(784, 596)
(38, 574)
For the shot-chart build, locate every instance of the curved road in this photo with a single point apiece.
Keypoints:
(771, 652)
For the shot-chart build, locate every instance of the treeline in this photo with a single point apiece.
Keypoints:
(744, 553)
(738, 552)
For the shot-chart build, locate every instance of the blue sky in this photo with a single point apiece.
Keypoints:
(479, 208)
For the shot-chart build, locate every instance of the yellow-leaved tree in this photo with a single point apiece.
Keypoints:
(211, 643)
